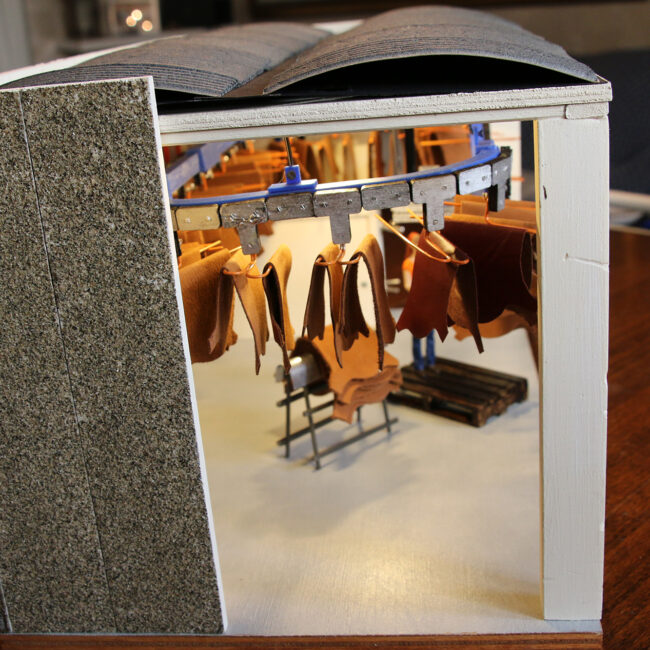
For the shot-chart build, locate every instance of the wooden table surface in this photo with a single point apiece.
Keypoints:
(626, 616)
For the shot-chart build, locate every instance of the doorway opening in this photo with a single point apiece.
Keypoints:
(433, 529)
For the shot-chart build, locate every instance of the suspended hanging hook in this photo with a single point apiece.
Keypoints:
(246, 271)
(447, 259)
(259, 276)
(486, 217)
(339, 259)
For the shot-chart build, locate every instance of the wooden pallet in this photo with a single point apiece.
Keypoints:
(460, 391)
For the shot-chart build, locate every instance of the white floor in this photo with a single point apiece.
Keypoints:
(433, 531)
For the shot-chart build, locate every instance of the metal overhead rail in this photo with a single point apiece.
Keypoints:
(488, 169)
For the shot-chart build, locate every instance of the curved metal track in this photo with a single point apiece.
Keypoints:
(487, 170)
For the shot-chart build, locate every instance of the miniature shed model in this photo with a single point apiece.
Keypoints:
(105, 522)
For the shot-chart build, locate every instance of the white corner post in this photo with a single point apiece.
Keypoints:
(572, 181)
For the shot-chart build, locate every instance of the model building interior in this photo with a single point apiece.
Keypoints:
(299, 345)
(354, 420)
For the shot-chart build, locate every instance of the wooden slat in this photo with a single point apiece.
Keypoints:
(460, 391)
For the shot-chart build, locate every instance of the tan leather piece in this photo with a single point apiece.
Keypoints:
(225, 309)
(251, 297)
(441, 294)
(314, 321)
(191, 236)
(364, 391)
(190, 253)
(504, 324)
(351, 321)
(275, 288)
(370, 391)
(359, 381)
(463, 301)
(428, 300)
(359, 362)
(208, 315)
(503, 262)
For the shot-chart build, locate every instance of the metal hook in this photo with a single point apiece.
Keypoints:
(251, 265)
(350, 262)
(246, 271)
(339, 259)
(486, 216)
(446, 260)
(211, 245)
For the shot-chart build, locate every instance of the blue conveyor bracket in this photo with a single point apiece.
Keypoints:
(197, 160)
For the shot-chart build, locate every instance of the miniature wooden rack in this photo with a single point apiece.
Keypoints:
(460, 391)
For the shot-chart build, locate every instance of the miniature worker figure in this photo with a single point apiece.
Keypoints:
(419, 363)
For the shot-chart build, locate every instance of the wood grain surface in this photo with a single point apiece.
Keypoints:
(477, 642)
(626, 617)
(626, 614)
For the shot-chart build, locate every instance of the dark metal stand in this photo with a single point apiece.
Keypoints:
(311, 428)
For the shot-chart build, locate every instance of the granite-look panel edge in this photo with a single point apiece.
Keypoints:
(5, 623)
(96, 163)
(50, 559)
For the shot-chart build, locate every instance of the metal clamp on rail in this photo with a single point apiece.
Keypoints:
(290, 206)
(501, 170)
(378, 196)
(432, 192)
(196, 217)
(474, 179)
(292, 199)
(245, 216)
(487, 170)
(338, 205)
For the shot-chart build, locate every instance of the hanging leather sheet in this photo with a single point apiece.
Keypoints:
(503, 262)
(358, 381)
(314, 321)
(251, 296)
(275, 288)
(427, 301)
(190, 253)
(352, 322)
(208, 315)
(463, 300)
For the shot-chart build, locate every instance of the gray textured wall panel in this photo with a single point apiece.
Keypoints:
(97, 172)
(4, 613)
(50, 560)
